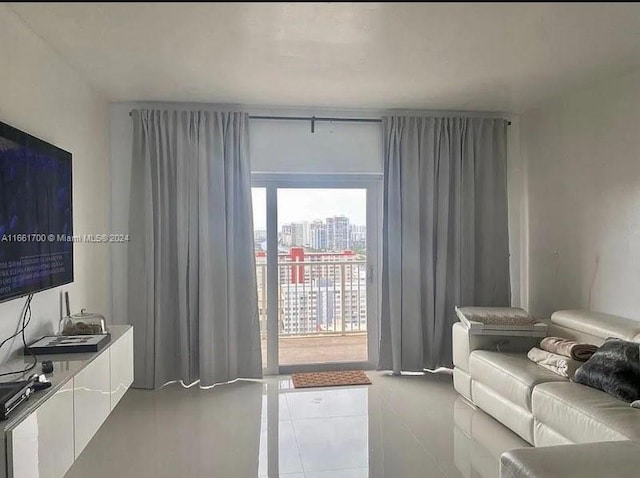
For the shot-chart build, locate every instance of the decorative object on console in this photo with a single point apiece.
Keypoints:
(60, 344)
(614, 368)
(498, 320)
(47, 366)
(84, 323)
(67, 304)
(568, 348)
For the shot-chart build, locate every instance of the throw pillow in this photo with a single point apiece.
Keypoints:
(614, 368)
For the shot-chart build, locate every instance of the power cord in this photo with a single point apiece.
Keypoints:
(22, 314)
(25, 319)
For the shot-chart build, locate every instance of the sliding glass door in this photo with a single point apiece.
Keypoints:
(316, 241)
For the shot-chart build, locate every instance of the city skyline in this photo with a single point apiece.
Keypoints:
(309, 205)
(331, 234)
(322, 220)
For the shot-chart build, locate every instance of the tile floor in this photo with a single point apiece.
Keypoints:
(409, 426)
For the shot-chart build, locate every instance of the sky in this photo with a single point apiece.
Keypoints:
(297, 205)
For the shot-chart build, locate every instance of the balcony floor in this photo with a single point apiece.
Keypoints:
(320, 349)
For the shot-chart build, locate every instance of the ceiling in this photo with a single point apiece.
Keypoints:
(495, 56)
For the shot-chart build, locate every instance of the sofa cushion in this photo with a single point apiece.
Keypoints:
(511, 375)
(618, 459)
(597, 324)
(544, 435)
(615, 369)
(583, 414)
(515, 417)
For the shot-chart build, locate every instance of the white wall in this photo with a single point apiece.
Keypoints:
(289, 146)
(582, 154)
(43, 96)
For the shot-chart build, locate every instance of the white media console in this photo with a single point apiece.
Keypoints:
(45, 435)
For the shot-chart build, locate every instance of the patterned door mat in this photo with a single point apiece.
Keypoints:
(330, 379)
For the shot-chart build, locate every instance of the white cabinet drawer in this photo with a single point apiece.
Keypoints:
(41, 446)
(121, 353)
(92, 400)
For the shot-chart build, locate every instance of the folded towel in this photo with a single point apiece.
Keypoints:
(568, 348)
(563, 366)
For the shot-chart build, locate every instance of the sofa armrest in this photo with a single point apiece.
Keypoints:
(615, 459)
(464, 343)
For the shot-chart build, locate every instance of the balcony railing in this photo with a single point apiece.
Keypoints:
(317, 297)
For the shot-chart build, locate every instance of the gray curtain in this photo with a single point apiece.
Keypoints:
(445, 235)
(192, 280)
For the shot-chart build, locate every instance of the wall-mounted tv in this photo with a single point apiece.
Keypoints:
(36, 217)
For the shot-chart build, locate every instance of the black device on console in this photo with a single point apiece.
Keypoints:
(13, 394)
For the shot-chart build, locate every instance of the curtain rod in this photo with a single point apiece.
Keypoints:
(322, 118)
(316, 118)
(313, 119)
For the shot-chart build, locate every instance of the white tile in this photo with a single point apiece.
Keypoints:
(325, 403)
(286, 475)
(263, 456)
(333, 443)
(289, 456)
(283, 408)
(353, 473)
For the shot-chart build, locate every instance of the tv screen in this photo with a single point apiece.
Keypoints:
(36, 219)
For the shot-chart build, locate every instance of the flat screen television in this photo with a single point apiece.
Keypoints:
(36, 217)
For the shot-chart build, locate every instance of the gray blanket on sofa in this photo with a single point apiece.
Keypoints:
(615, 369)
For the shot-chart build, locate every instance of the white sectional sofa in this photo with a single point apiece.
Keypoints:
(493, 373)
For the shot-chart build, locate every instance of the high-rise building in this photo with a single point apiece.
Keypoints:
(336, 234)
(318, 235)
(260, 240)
(285, 235)
(358, 236)
(338, 237)
(297, 234)
(300, 234)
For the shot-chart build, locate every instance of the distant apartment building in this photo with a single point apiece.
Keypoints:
(334, 234)
(358, 237)
(327, 294)
(286, 237)
(300, 236)
(318, 235)
(338, 234)
(260, 240)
